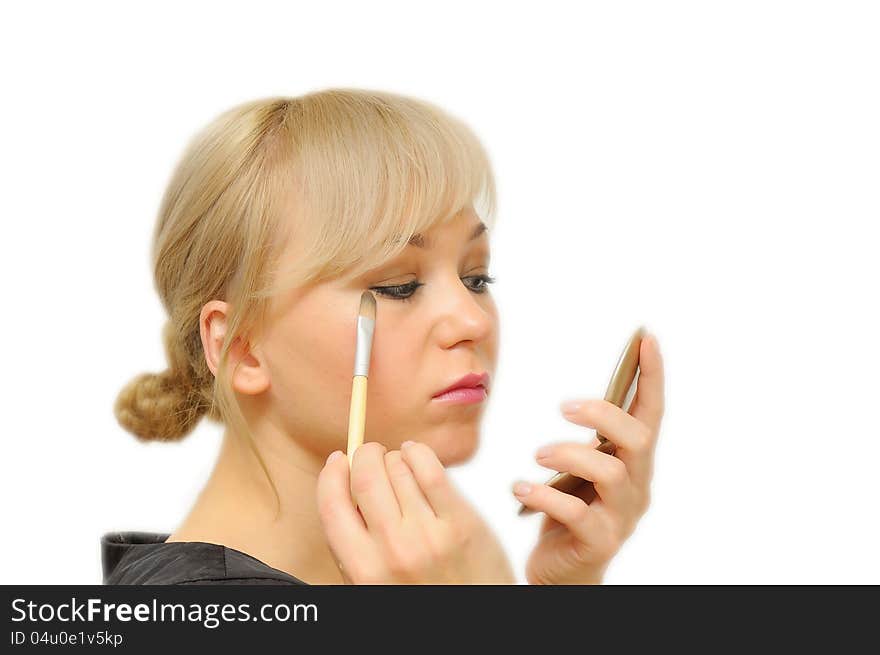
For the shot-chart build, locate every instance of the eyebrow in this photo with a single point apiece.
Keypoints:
(420, 241)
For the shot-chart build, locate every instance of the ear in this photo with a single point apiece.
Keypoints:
(249, 376)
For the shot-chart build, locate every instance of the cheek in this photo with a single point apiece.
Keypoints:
(397, 390)
(394, 363)
(311, 364)
(494, 338)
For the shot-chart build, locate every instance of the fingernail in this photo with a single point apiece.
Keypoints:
(521, 488)
(571, 406)
(543, 451)
(407, 443)
(334, 456)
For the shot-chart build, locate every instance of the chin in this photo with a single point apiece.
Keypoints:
(455, 448)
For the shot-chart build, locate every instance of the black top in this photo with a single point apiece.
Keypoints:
(139, 558)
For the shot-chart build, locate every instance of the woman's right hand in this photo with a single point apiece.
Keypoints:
(410, 526)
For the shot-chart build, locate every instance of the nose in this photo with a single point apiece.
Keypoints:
(463, 314)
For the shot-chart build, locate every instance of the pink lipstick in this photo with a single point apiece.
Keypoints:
(472, 388)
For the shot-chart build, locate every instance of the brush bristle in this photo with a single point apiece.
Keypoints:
(368, 306)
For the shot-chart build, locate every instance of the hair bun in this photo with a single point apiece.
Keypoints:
(158, 407)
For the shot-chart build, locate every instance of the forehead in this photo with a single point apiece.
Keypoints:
(465, 225)
(462, 232)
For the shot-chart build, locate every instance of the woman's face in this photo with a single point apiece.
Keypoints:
(424, 341)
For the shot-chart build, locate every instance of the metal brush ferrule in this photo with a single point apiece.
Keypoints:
(364, 345)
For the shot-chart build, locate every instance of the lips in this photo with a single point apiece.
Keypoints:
(469, 381)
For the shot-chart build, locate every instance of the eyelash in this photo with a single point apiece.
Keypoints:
(396, 292)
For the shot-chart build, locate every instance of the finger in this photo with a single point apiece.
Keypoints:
(569, 510)
(633, 439)
(608, 473)
(431, 476)
(649, 402)
(372, 489)
(346, 533)
(410, 497)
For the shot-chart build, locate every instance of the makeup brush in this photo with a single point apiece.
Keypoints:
(357, 413)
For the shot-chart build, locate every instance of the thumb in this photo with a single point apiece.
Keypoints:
(649, 402)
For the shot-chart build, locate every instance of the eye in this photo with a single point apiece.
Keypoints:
(484, 281)
(399, 291)
(406, 291)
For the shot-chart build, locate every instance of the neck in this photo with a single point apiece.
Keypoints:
(237, 508)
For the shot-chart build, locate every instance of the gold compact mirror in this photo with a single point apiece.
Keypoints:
(618, 389)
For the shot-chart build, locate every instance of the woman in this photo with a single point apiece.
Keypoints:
(278, 217)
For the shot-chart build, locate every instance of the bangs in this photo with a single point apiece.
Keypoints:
(370, 170)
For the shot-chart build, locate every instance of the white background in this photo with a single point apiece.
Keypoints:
(707, 169)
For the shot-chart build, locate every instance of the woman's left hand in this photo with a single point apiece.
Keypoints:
(581, 533)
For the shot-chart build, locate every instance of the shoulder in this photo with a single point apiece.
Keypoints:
(143, 558)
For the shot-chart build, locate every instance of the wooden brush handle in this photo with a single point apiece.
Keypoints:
(357, 414)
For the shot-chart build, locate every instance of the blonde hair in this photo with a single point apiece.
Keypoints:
(348, 174)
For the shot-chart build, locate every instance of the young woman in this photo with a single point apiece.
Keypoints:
(281, 213)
